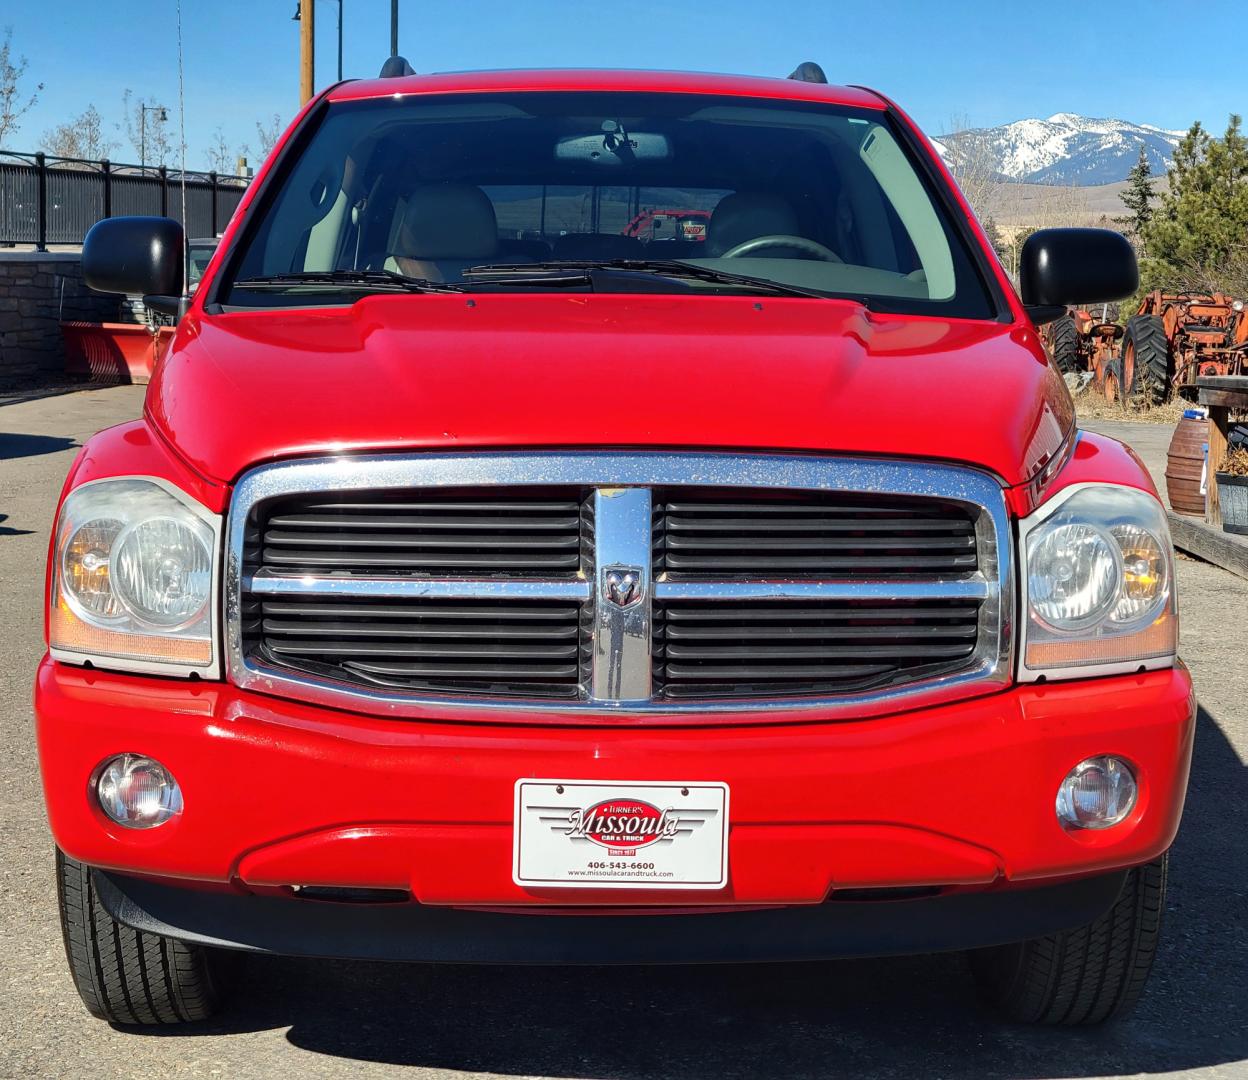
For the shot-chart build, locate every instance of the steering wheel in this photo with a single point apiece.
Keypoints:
(799, 243)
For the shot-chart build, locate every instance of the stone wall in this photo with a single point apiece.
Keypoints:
(39, 290)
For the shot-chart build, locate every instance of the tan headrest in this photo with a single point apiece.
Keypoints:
(448, 221)
(747, 215)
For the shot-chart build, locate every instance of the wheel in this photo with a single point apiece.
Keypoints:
(1146, 360)
(1084, 976)
(128, 977)
(1066, 346)
(1112, 386)
(797, 243)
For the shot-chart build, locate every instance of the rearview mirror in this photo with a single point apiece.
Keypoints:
(614, 148)
(1059, 267)
(140, 255)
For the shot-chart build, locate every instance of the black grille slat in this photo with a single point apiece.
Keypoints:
(349, 518)
(740, 649)
(516, 612)
(770, 533)
(816, 565)
(783, 671)
(487, 647)
(791, 612)
(304, 628)
(823, 523)
(338, 538)
(425, 561)
(467, 671)
(762, 633)
(456, 532)
(811, 653)
(465, 650)
(818, 543)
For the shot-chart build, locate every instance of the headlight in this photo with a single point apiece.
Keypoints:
(1098, 584)
(135, 574)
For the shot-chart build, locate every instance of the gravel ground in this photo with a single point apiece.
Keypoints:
(913, 1017)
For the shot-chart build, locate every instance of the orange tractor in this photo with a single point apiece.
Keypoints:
(1080, 343)
(1174, 337)
(1167, 343)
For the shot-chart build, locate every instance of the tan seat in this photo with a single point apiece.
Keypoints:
(747, 215)
(446, 228)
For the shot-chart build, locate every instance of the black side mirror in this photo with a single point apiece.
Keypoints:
(141, 255)
(1059, 267)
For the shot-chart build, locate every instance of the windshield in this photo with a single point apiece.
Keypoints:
(820, 199)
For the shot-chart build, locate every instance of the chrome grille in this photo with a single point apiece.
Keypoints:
(610, 586)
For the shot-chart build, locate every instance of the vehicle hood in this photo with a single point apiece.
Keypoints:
(517, 370)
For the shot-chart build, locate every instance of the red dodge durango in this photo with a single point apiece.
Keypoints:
(487, 583)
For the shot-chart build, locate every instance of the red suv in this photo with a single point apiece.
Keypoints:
(483, 584)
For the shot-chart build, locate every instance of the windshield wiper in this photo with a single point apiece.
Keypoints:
(361, 280)
(664, 267)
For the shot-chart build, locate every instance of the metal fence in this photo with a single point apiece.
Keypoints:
(50, 200)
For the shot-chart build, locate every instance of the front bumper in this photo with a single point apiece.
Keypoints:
(878, 926)
(280, 793)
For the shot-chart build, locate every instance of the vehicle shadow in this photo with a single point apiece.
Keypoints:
(905, 1017)
(14, 445)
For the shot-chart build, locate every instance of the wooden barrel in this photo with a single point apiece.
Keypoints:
(1184, 464)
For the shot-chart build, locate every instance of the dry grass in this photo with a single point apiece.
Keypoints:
(1235, 462)
(1090, 404)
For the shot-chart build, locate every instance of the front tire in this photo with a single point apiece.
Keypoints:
(125, 976)
(1146, 360)
(1066, 346)
(1084, 976)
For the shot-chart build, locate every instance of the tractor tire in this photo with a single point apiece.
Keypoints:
(1066, 346)
(1146, 361)
(1084, 976)
(1112, 387)
(126, 976)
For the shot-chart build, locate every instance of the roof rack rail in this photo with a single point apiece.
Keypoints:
(808, 71)
(395, 67)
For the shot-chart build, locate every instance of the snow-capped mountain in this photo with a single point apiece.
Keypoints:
(1064, 149)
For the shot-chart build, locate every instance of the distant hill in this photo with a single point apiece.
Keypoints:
(1013, 204)
(1064, 149)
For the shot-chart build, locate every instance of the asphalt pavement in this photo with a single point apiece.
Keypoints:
(908, 1017)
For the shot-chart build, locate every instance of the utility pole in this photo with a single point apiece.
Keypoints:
(307, 52)
(394, 27)
(340, 40)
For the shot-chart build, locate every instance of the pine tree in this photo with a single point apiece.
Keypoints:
(1138, 199)
(993, 232)
(1197, 237)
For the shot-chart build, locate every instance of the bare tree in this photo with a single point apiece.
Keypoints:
(81, 137)
(146, 127)
(971, 161)
(1024, 208)
(268, 133)
(217, 155)
(14, 104)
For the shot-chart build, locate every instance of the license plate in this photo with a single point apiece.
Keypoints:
(620, 835)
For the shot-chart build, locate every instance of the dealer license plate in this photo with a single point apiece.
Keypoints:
(620, 835)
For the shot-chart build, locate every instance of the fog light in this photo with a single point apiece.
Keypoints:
(1096, 794)
(138, 792)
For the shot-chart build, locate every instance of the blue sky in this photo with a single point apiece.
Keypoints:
(989, 62)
